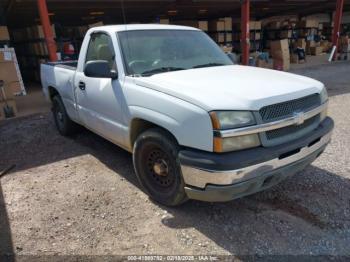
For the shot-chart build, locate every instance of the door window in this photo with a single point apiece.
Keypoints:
(101, 48)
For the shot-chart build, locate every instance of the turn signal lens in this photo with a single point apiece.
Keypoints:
(229, 144)
(214, 120)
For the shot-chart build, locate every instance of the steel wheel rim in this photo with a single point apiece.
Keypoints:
(159, 168)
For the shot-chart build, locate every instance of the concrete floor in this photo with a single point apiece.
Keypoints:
(33, 103)
(311, 61)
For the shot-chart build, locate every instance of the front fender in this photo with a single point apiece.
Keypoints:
(189, 124)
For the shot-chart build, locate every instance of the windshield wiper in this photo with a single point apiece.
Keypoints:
(208, 65)
(161, 70)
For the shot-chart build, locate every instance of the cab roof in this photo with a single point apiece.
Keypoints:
(133, 27)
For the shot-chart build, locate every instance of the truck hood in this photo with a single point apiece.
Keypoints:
(232, 87)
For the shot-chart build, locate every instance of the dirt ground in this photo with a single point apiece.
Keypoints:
(80, 196)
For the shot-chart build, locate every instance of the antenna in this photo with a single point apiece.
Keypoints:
(123, 11)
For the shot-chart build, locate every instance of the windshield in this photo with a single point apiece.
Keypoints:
(148, 52)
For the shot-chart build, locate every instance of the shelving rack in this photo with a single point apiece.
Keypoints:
(32, 52)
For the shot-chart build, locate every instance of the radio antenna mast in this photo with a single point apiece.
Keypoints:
(123, 12)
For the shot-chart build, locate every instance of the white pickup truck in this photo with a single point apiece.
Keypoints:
(198, 126)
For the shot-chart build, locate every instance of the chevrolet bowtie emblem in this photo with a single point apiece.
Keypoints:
(299, 118)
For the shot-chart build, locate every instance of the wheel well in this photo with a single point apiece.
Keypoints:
(139, 126)
(52, 92)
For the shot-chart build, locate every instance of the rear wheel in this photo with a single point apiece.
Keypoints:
(64, 124)
(157, 167)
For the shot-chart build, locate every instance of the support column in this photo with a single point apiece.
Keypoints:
(245, 31)
(45, 22)
(337, 24)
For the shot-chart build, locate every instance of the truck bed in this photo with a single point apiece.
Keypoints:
(71, 65)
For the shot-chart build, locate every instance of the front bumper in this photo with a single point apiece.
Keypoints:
(223, 177)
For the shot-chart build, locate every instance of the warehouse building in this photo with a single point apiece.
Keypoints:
(270, 34)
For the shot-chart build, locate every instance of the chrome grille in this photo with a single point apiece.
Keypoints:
(284, 110)
(287, 109)
(287, 131)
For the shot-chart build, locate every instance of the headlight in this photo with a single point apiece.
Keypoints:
(228, 144)
(222, 120)
(324, 95)
(231, 119)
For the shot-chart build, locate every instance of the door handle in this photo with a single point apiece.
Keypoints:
(82, 85)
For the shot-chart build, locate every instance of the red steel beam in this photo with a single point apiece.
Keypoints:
(245, 31)
(337, 24)
(45, 21)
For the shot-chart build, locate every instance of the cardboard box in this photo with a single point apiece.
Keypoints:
(38, 32)
(254, 25)
(4, 33)
(316, 50)
(191, 23)
(228, 23)
(8, 105)
(280, 54)
(280, 45)
(8, 72)
(216, 25)
(257, 25)
(218, 37)
(326, 45)
(281, 65)
(344, 44)
(203, 25)
(308, 23)
(6, 92)
(15, 87)
(309, 45)
(257, 36)
(228, 37)
(164, 21)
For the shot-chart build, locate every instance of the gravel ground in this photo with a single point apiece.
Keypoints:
(80, 196)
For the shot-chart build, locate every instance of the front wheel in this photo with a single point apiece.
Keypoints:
(157, 167)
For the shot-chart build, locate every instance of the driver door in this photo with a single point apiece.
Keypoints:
(99, 100)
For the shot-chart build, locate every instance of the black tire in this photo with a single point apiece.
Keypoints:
(157, 167)
(64, 124)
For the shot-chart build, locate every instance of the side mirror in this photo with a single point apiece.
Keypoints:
(99, 69)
